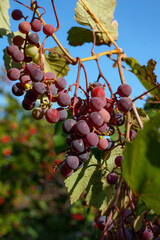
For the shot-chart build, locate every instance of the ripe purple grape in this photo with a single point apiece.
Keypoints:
(112, 178)
(103, 128)
(81, 128)
(110, 144)
(72, 162)
(48, 29)
(101, 222)
(105, 114)
(119, 118)
(24, 27)
(63, 114)
(50, 76)
(13, 74)
(36, 25)
(25, 79)
(124, 90)
(97, 84)
(91, 139)
(68, 126)
(96, 119)
(18, 56)
(96, 104)
(11, 49)
(118, 161)
(30, 67)
(27, 106)
(125, 104)
(36, 75)
(147, 235)
(30, 97)
(63, 99)
(37, 113)
(18, 89)
(65, 171)
(77, 145)
(61, 83)
(33, 38)
(38, 88)
(52, 89)
(52, 115)
(18, 40)
(17, 14)
(84, 157)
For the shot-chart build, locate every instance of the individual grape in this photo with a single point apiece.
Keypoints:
(98, 92)
(63, 99)
(110, 130)
(37, 113)
(61, 83)
(106, 115)
(112, 178)
(30, 67)
(125, 104)
(18, 89)
(50, 75)
(68, 126)
(84, 157)
(65, 171)
(52, 115)
(11, 49)
(25, 79)
(81, 128)
(96, 119)
(91, 139)
(96, 104)
(24, 27)
(27, 106)
(72, 162)
(48, 29)
(38, 88)
(124, 90)
(102, 144)
(78, 102)
(31, 50)
(18, 40)
(97, 84)
(18, 56)
(101, 222)
(147, 235)
(77, 145)
(36, 25)
(53, 90)
(13, 74)
(30, 97)
(63, 114)
(36, 75)
(110, 144)
(102, 128)
(118, 161)
(17, 14)
(33, 39)
(119, 118)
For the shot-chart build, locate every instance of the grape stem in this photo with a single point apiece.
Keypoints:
(58, 24)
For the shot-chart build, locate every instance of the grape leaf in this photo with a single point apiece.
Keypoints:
(103, 10)
(56, 63)
(145, 75)
(4, 17)
(77, 36)
(141, 165)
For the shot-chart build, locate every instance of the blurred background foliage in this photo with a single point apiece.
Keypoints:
(33, 200)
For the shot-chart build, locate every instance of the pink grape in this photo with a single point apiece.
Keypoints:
(36, 25)
(63, 99)
(124, 90)
(52, 115)
(63, 114)
(24, 27)
(18, 56)
(72, 162)
(36, 75)
(96, 104)
(48, 29)
(102, 144)
(91, 139)
(98, 92)
(106, 115)
(96, 119)
(11, 49)
(13, 74)
(61, 83)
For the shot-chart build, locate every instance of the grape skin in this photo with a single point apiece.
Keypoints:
(125, 104)
(33, 38)
(63, 99)
(27, 106)
(50, 75)
(11, 49)
(124, 90)
(102, 144)
(77, 145)
(110, 144)
(52, 115)
(18, 56)
(61, 83)
(18, 40)
(63, 114)
(72, 162)
(118, 161)
(36, 75)
(68, 126)
(101, 222)
(106, 115)
(84, 157)
(147, 235)
(24, 27)
(30, 67)
(65, 171)
(17, 14)
(112, 178)
(48, 29)
(96, 119)
(98, 92)
(96, 104)
(36, 25)
(38, 88)
(30, 97)
(37, 113)
(18, 89)
(31, 50)
(81, 128)
(91, 139)
(13, 74)
(25, 79)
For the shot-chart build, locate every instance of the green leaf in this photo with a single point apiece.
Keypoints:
(103, 10)
(138, 222)
(141, 165)
(4, 17)
(77, 36)
(145, 75)
(56, 63)
(143, 116)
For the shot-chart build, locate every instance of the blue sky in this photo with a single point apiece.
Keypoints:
(139, 37)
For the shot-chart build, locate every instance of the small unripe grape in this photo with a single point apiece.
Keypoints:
(24, 27)
(31, 50)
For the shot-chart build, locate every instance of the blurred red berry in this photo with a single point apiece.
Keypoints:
(5, 139)
(7, 152)
(2, 200)
(32, 131)
(13, 125)
(78, 217)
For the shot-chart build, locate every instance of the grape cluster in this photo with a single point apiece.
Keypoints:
(33, 82)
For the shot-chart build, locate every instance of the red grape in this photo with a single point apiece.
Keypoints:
(37, 113)
(72, 162)
(52, 115)
(24, 27)
(38, 88)
(81, 128)
(13, 74)
(65, 171)
(11, 49)
(18, 56)
(96, 104)
(96, 119)
(102, 144)
(98, 92)
(63, 99)
(48, 29)
(18, 40)
(124, 90)
(63, 114)
(33, 38)
(118, 161)
(18, 89)
(106, 115)
(125, 104)
(68, 126)
(91, 139)
(36, 75)
(36, 25)
(61, 83)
